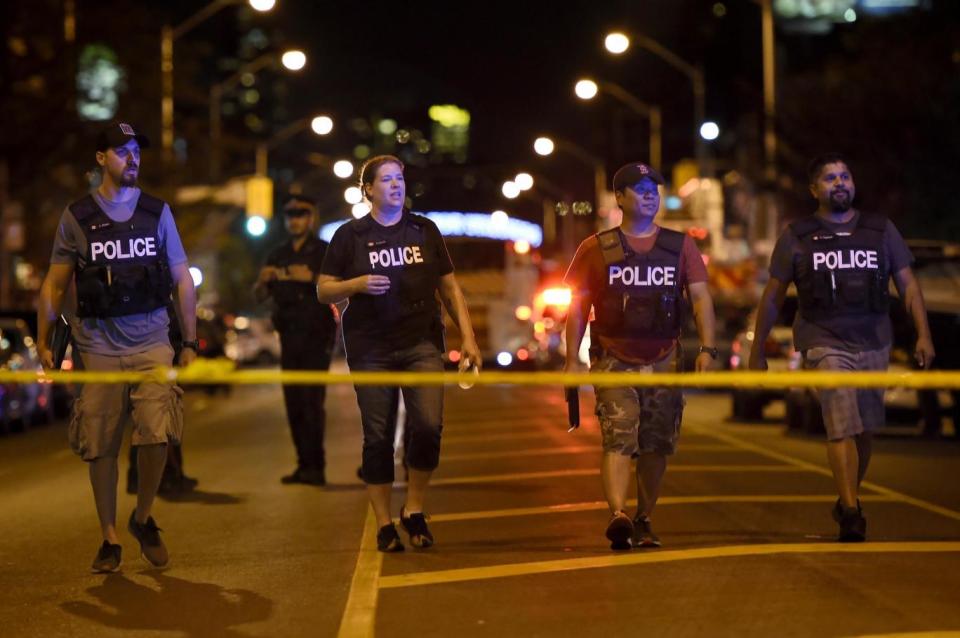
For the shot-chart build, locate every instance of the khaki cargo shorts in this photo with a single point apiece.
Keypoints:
(638, 419)
(848, 412)
(101, 411)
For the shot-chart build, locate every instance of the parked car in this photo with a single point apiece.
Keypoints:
(21, 404)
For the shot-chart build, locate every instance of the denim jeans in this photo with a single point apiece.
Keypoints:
(378, 411)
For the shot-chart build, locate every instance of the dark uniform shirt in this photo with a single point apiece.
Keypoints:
(364, 327)
(297, 308)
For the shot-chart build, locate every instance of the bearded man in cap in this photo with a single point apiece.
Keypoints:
(121, 248)
(638, 278)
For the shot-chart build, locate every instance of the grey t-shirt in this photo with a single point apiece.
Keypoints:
(129, 334)
(851, 333)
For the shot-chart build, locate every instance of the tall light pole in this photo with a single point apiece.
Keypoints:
(617, 43)
(217, 91)
(320, 124)
(169, 35)
(585, 91)
(547, 145)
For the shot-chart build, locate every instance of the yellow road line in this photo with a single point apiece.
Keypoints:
(520, 476)
(360, 614)
(812, 467)
(643, 558)
(663, 500)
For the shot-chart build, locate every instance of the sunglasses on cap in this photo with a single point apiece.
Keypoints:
(296, 211)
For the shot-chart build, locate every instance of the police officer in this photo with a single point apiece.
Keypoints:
(122, 248)
(841, 260)
(391, 264)
(635, 276)
(307, 329)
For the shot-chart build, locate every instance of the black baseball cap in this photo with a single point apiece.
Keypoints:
(119, 133)
(630, 174)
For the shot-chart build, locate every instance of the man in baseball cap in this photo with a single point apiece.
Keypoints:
(631, 174)
(117, 134)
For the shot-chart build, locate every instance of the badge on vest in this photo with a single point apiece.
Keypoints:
(392, 257)
(632, 276)
(846, 260)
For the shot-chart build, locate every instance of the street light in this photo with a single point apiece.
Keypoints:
(543, 146)
(709, 131)
(360, 209)
(294, 59)
(616, 42)
(694, 73)
(524, 181)
(256, 226)
(216, 95)
(586, 89)
(353, 195)
(282, 136)
(343, 169)
(510, 190)
(321, 125)
(169, 35)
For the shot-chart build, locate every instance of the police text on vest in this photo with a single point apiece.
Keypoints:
(114, 250)
(400, 256)
(654, 275)
(846, 260)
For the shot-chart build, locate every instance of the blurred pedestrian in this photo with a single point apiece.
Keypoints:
(307, 330)
(123, 250)
(635, 276)
(841, 260)
(391, 264)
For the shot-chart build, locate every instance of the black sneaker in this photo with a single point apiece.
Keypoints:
(643, 535)
(388, 540)
(151, 545)
(619, 531)
(853, 526)
(837, 511)
(107, 560)
(416, 526)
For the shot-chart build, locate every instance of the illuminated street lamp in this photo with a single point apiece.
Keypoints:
(360, 209)
(256, 226)
(510, 190)
(169, 35)
(586, 89)
(343, 169)
(353, 195)
(321, 125)
(294, 60)
(524, 181)
(616, 42)
(543, 146)
(709, 131)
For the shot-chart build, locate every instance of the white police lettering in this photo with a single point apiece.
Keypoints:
(846, 260)
(399, 256)
(654, 275)
(116, 250)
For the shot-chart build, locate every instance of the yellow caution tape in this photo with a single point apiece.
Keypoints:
(223, 371)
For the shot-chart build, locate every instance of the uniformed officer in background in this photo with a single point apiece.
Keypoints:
(307, 331)
(123, 250)
(841, 260)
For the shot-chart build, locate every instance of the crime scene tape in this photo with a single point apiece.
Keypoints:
(222, 371)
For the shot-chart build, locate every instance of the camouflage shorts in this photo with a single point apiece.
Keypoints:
(638, 419)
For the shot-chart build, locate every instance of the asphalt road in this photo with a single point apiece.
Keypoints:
(517, 510)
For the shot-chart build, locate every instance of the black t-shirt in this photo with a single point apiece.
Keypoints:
(365, 327)
(297, 308)
(845, 332)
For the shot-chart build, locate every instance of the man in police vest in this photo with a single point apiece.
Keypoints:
(841, 261)
(635, 276)
(307, 329)
(122, 248)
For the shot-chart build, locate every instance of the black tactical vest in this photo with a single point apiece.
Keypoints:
(413, 272)
(842, 273)
(641, 296)
(125, 269)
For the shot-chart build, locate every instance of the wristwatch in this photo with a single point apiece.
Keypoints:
(193, 345)
(713, 352)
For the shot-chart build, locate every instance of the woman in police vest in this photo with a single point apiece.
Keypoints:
(390, 265)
